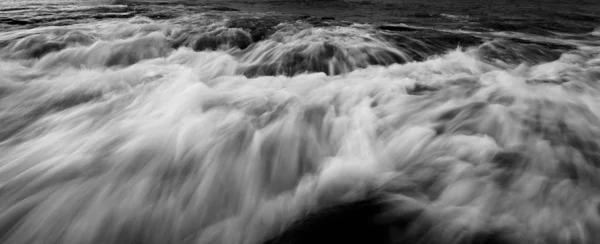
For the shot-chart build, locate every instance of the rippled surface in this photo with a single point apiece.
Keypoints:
(228, 123)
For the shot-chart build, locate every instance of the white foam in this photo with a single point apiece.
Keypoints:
(175, 144)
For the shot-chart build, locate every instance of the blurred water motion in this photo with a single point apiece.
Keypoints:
(165, 123)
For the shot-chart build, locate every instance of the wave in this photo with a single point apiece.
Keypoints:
(263, 47)
(596, 32)
(143, 131)
(330, 50)
(297, 48)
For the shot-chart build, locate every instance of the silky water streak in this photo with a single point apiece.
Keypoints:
(157, 131)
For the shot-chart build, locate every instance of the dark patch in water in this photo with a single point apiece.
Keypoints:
(509, 159)
(421, 44)
(213, 42)
(497, 98)
(395, 28)
(578, 16)
(424, 15)
(12, 9)
(300, 60)
(159, 15)
(552, 46)
(11, 21)
(377, 220)
(466, 112)
(516, 26)
(516, 51)
(546, 81)
(420, 89)
(200, 39)
(223, 8)
(259, 28)
(550, 121)
(41, 50)
(349, 223)
(37, 46)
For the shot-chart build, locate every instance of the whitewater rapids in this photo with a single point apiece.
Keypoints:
(142, 131)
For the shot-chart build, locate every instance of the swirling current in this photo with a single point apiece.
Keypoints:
(299, 122)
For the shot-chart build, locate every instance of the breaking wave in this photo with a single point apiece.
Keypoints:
(144, 131)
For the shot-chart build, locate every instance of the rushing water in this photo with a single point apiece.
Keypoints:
(187, 123)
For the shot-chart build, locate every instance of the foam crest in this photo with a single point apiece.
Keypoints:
(331, 50)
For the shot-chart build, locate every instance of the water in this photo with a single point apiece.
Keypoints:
(213, 122)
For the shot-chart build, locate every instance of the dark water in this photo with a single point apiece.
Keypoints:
(299, 121)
